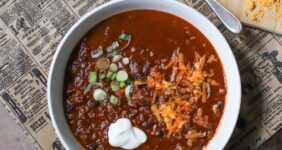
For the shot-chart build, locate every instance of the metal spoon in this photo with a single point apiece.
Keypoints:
(229, 20)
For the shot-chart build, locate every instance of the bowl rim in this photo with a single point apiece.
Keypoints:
(213, 143)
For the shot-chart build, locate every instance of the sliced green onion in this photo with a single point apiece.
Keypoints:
(113, 67)
(127, 44)
(122, 84)
(115, 85)
(99, 95)
(114, 100)
(117, 58)
(109, 49)
(124, 36)
(122, 75)
(125, 61)
(103, 63)
(112, 47)
(97, 53)
(92, 77)
(109, 74)
(128, 81)
(128, 91)
(102, 76)
(115, 53)
(88, 88)
(115, 45)
(113, 76)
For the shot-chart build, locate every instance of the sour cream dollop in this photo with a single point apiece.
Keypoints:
(122, 134)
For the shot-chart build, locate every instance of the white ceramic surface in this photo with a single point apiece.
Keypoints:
(88, 21)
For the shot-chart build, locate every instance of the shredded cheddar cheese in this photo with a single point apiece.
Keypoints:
(259, 8)
(188, 86)
(192, 80)
(175, 114)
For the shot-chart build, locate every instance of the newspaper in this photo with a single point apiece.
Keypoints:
(30, 31)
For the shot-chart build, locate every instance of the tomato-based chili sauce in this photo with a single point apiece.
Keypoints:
(177, 82)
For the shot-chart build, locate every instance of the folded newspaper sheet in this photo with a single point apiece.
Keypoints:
(30, 31)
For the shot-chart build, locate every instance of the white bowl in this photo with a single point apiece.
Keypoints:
(88, 21)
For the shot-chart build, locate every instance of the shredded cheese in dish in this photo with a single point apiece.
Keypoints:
(176, 110)
(258, 8)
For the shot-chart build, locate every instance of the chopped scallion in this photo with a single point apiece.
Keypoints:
(114, 100)
(113, 76)
(128, 39)
(122, 75)
(109, 74)
(92, 77)
(115, 85)
(99, 95)
(115, 53)
(113, 46)
(117, 58)
(88, 88)
(125, 61)
(122, 84)
(128, 81)
(102, 76)
(103, 63)
(97, 53)
(124, 36)
(109, 49)
(113, 67)
(128, 91)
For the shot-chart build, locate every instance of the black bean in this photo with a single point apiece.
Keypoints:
(146, 66)
(91, 104)
(148, 123)
(159, 134)
(219, 105)
(151, 121)
(70, 108)
(145, 124)
(91, 147)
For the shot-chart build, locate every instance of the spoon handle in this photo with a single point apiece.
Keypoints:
(229, 20)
